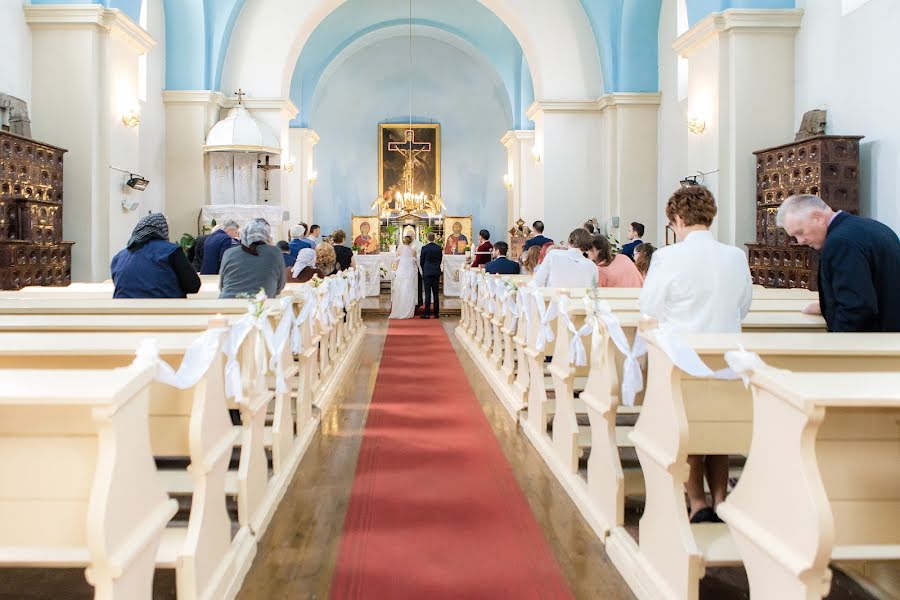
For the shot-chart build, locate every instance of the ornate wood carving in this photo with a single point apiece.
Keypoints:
(827, 166)
(32, 250)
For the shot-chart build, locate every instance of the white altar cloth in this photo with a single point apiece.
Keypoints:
(369, 264)
(453, 264)
(243, 213)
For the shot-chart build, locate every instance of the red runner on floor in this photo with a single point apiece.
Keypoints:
(435, 510)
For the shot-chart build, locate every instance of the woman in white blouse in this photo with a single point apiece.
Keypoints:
(698, 286)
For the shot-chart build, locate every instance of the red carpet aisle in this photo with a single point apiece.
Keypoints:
(435, 510)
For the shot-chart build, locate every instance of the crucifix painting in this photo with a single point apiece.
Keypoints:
(409, 158)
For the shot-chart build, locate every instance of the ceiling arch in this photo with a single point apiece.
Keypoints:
(468, 21)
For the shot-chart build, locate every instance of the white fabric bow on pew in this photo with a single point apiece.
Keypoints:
(632, 377)
(277, 340)
(684, 357)
(194, 364)
(744, 363)
(546, 313)
(577, 351)
(310, 304)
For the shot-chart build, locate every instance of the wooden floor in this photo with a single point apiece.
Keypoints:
(296, 557)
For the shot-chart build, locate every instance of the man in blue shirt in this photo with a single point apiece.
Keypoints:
(215, 246)
(298, 240)
(634, 234)
(502, 265)
(538, 240)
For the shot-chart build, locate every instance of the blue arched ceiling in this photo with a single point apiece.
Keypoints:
(697, 9)
(468, 20)
(132, 8)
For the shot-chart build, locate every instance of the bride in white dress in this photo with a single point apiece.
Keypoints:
(403, 287)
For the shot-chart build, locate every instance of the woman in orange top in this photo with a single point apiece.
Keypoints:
(613, 271)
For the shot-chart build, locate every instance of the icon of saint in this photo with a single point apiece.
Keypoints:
(456, 242)
(366, 241)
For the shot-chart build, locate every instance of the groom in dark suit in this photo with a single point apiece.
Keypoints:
(430, 260)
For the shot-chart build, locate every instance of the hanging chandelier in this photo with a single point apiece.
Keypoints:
(410, 201)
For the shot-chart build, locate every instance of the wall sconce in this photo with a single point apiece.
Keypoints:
(131, 117)
(289, 167)
(313, 177)
(696, 125)
(536, 154)
(507, 181)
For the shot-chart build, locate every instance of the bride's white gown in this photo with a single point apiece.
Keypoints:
(404, 287)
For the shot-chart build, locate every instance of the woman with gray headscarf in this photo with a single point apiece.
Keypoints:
(253, 265)
(151, 266)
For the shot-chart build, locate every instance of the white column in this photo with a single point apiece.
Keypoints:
(741, 85)
(629, 181)
(524, 199)
(189, 117)
(85, 70)
(567, 142)
(302, 143)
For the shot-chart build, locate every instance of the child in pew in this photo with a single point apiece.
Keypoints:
(698, 286)
(151, 266)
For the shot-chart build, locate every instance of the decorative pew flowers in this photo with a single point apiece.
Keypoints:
(257, 303)
(382, 271)
(316, 281)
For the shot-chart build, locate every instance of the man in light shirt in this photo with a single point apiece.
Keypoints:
(698, 286)
(568, 268)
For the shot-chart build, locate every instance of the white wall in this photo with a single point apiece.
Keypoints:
(451, 88)
(152, 151)
(848, 65)
(673, 135)
(15, 48)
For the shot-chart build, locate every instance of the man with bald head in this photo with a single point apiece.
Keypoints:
(859, 266)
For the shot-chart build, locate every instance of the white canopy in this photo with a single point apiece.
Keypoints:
(239, 132)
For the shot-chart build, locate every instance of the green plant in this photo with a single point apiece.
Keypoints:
(425, 231)
(392, 231)
(186, 242)
(613, 244)
(355, 248)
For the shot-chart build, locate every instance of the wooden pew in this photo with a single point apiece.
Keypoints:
(821, 480)
(79, 484)
(684, 415)
(192, 423)
(62, 306)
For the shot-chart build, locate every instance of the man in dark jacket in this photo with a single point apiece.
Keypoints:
(538, 240)
(216, 244)
(430, 259)
(859, 266)
(502, 265)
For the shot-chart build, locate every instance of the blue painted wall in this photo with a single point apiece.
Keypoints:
(452, 88)
(132, 8)
(697, 9)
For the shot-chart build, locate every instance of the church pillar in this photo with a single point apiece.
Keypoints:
(740, 99)
(84, 80)
(569, 155)
(523, 198)
(627, 185)
(189, 117)
(303, 179)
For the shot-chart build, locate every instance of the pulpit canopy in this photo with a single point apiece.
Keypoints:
(240, 132)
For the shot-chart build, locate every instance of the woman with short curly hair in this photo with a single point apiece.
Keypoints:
(326, 259)
(698, 285)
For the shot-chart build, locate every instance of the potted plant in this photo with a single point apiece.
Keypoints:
(392, 237)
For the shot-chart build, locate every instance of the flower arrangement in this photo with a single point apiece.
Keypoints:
(257, 303)
(613, 244)
(316, 281)
(382, 271)
(355, 248)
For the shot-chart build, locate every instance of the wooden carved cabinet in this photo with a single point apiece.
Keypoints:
(825, 165)
(32, 250)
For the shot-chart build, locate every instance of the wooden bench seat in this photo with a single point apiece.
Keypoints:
(684, 415)
(790, 514)
(79, 485)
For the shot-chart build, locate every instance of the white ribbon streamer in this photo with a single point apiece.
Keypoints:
(684, 357)
(744, 363)
(546, 313)
(577, 351)
(632, 377)
(194, 364)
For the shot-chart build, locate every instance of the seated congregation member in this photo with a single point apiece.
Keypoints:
(483, 252)
(218, 242)
(195, 254)
(642, 255)
(568, 268)
(345, 258)
(529, 260)
(538, 240)
(859, 265)
(253, 265)
(502, 265)
(286, 253)
(634, 234)
(305, 267)
(613, 271)
(312, 236)
(326, 259)
(298, 239)
(151, 266)
(698, 286)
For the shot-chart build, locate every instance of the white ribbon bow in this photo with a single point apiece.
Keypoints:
(632, 377)
(194, 364)
(546, 313)
(577, 351)
(744, 363)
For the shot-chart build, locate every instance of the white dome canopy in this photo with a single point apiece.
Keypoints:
(239, 132)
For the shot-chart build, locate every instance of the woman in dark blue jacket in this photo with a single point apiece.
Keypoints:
(151, 266)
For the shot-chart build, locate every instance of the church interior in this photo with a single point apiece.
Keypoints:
(449, 299)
